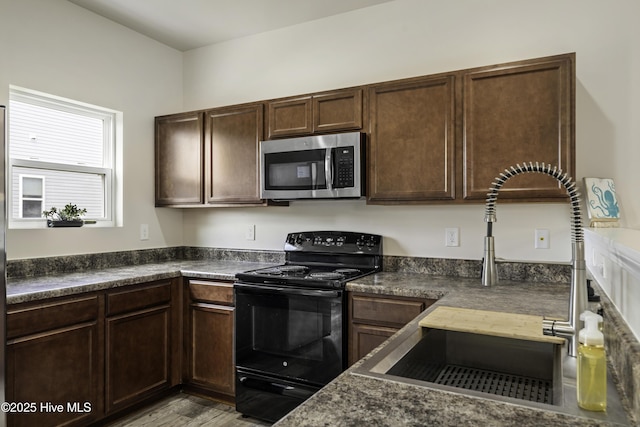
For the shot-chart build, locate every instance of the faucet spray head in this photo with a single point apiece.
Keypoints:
(489, 271)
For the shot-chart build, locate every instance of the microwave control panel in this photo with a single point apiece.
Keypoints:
(343, 167)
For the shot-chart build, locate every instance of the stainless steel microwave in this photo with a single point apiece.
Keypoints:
(313, 167)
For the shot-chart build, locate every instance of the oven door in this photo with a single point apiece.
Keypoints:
(296, 173)
(292, 333)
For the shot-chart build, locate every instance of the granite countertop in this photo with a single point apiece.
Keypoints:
(50, 286)
(354, 400)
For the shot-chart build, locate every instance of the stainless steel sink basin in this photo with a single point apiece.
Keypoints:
(515, 368)
(514, 371)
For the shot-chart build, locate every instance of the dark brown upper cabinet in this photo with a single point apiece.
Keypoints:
(515, 113)
(433, 139)
(209, 158)
(232, 137)
(291, 117)
(334, 111)
(179, 159)
(412, 140)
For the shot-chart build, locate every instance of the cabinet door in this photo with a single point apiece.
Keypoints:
(365, 338)
(179, 159)
(290, 117)
(412, 141)
(334, 111)
(55, 355)
(61, 367)
(521, 112)
(232, 137)
(337, 111)
(140, 342)
(138, 356)
(211, 358)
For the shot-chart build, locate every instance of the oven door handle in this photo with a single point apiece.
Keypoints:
(274, 387)
(267, 289)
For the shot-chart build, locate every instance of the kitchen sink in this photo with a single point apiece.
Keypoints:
(515, 368)
(534, 373)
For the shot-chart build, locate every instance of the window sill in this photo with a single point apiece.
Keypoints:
(42, 224)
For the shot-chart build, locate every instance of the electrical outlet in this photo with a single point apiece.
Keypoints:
(542, 238)
(452, 236)
(250, 232)
(144, 231)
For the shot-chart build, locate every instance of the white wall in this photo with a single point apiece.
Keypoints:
(59, 48)
(407, 38)
(62, 49)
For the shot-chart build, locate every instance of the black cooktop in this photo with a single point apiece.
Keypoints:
(323, 259)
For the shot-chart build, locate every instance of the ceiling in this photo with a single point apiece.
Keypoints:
(189, 24)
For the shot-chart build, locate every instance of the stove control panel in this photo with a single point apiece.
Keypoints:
(346, 242)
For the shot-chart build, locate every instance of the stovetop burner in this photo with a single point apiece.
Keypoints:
(302, 271)
(347, 271)
(327, 275)
(285, 270)
(322, 259)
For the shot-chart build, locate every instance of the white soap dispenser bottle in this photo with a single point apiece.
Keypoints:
(592, 365)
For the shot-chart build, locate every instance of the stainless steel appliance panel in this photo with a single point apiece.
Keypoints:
(320, 166)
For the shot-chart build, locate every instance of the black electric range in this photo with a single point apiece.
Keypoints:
(290, 319)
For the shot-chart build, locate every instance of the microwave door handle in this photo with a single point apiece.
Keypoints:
(328, 168)
(314, 175)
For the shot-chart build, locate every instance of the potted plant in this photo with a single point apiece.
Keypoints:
(70, 216)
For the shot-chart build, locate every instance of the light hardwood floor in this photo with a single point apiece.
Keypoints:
(184, 410)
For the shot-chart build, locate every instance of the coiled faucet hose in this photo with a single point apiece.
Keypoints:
(555, 172)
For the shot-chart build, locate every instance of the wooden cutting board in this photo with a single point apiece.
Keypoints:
(509, 325)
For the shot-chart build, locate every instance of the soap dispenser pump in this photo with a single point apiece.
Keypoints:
(592, 365)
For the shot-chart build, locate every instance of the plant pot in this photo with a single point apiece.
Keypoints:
(61, 223)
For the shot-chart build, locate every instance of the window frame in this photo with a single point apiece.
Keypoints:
(112, 125)
(21, 196)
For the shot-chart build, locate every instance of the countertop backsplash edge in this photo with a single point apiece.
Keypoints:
(518, 271)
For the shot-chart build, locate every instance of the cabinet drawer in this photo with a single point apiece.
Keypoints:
(36, 318)
(136, 299)
(385, 310)
(213, 292)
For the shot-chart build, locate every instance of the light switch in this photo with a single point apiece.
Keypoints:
(144, 231)
(250, 232)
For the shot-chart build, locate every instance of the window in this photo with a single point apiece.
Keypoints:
(31, 196)
(67, 144)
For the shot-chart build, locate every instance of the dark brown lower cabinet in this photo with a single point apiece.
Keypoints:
(137, 356)
(374, 318)
(74, 361)
(139, 344)
(54, 362)
(209, 357)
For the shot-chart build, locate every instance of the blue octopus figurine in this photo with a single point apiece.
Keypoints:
(607, 205)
